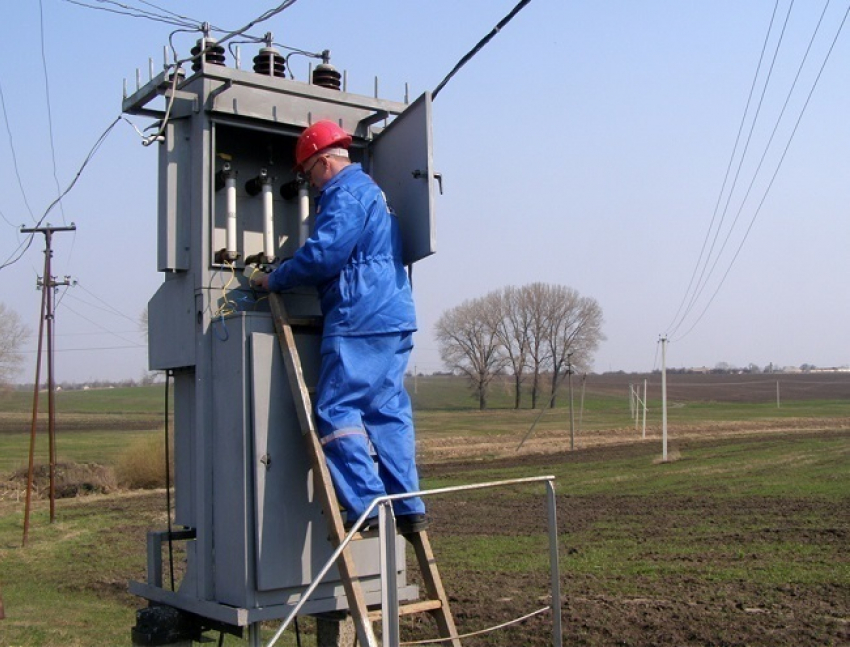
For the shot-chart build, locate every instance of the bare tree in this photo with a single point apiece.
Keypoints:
(13, 333)
(514, 331)
(535, 300)
(469, 343)
(574, 333)
(143, 322)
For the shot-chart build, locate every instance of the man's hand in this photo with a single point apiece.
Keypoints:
(260, 281)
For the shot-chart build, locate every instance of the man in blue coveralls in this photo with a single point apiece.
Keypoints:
(354, 259)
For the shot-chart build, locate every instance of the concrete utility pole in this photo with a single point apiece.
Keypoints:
(48, 284)
(664, 398)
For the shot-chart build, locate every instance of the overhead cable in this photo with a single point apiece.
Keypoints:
(706, 273)
(203, 52)
(775, 173)
(14, 156)
(132, 12)
(463, 61)
(16, 255)
(49, 109)
(704, 277)
(763, 156)
(728, 166)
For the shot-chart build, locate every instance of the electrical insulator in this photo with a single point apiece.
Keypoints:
(255, 185)
(214, 52)
(289, 190)
(269, 62)
(325, 75)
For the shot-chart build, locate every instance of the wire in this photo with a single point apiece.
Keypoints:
(764, 153)
(700, 282)
(86, 350)
(14, 156)
(168, 375)
(49, 109)
(133, 12)
(202, 53)
(728, 166)
(772, 179)
(227, 307)
(110, 307)
(164, 10)
(463, 61)
(26, 244)
(433, 641)
(3, 216)
(103, 328)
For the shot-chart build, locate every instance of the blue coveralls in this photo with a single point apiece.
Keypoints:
(354, 258)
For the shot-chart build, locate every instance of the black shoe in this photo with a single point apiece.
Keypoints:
(407, 524)
(370, 524)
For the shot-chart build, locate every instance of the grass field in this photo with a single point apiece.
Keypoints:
(742, 539)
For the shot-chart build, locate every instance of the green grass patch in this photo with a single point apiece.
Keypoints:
(97, 446)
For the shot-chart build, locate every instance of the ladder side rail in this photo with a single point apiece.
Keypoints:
(321, 474)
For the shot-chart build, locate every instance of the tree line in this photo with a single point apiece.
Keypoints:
(532, 332)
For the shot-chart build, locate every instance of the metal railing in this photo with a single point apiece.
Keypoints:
(387, 538)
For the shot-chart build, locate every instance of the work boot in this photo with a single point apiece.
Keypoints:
(407, 524)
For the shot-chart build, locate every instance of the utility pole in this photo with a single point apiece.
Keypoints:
(48, 285)
(664, 399)
(570, 389)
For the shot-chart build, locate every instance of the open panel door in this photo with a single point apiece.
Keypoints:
(401, 163)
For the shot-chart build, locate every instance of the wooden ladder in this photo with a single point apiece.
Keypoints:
(436, 603)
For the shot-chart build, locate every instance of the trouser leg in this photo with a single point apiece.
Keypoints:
(341, 430)
(361, 399)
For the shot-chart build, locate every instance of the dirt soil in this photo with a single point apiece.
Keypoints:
(678, 609)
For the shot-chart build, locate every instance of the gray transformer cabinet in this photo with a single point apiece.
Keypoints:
(243, 487)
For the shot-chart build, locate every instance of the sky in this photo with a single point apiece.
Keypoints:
(589, 144)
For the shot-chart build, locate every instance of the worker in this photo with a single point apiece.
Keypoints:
(353, 257)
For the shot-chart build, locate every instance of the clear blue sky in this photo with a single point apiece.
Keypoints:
(586, 145)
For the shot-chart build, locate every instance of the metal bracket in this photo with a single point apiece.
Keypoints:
(379, 115)
(417, 174)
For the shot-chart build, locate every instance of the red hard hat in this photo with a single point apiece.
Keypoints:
(321, 135)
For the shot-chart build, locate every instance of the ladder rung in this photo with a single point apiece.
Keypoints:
(409, 609)
(305, 322)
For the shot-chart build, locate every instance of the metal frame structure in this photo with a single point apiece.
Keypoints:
(389, 579)
(254, 537)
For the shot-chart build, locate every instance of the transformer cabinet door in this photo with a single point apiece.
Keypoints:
(402, 165)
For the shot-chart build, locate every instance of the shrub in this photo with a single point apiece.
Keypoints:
(69, 480)
(142, 466)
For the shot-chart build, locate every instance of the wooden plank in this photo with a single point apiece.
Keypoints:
(434, 585)
(423, 606)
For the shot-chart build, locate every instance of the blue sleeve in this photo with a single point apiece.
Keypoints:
(338, 228)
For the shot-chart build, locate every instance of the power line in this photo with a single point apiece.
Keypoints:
(132, 12)
(775, 172)
(49, 109)
(14, 156)
(707, 272)
(463, 61)
(107, 306)
(766, 149)
(704, 278)
(97, 325)
(728, 167)
(16, 256)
